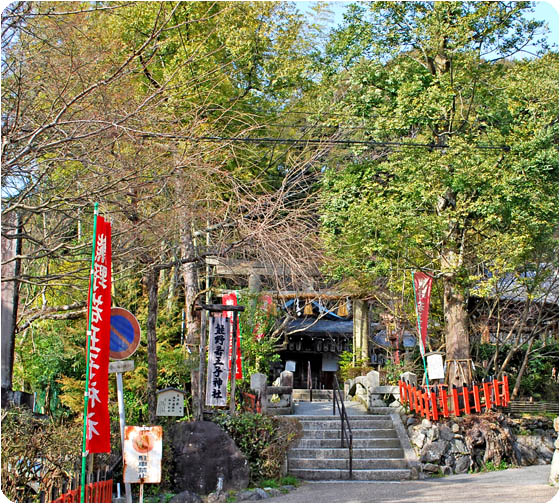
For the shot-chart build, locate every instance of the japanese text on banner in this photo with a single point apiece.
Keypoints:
(98, 427)
(218, 346)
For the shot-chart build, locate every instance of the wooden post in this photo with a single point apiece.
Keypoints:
(456, 409)
(466, 400)
(505, 389)
(476, 395)
(497, 399)
(444, 405)
(434, 406)
(233, 364)
(487, 395)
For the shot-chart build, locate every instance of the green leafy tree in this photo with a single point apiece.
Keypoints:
(464, 178)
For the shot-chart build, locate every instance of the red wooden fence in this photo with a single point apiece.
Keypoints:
(102, 491)
(435, 401)
(251, 403)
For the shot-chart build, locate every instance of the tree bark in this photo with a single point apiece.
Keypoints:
(190, 278)
(517, 385)
(151, 280)
(456, 334)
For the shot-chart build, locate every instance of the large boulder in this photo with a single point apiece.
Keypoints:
(432, 452)
(202, 454)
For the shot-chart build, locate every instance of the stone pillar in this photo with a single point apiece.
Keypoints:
(410, 378)
(361, 330)
(555, 464)
(287, 379)
(374, 400)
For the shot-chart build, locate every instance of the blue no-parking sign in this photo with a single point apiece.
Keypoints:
(125, 334)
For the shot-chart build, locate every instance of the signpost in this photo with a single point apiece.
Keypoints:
(171, 402)
(124, 340)
(142, 455)
(119, 367)
(216, 308)
(125, 334)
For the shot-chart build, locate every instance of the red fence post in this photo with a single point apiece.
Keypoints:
(505, 388)
(466, 400)
(444, 405)
(419, 403)
(487, 395)
(476, 395)
(434, 406)
(426, 398)
(456, 409)
(497, 400)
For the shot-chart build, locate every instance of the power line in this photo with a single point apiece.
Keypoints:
(316, 141)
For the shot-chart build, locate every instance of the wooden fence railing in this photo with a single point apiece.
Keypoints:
(436, 401)
(98, 488)
(251, 403)
(102, 491)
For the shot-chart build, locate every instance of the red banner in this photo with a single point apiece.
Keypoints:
(266, 307)
(231, 299)
(98, 438)
(422, 291)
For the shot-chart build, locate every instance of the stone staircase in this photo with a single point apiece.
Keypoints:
(318, 395)
(377, 451)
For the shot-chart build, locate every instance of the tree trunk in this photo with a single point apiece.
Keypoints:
(10, 297)
(517, 385)
(190, 278)
(456, 334)
(151, 281)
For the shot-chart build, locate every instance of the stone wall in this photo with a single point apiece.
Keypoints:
(457, 445)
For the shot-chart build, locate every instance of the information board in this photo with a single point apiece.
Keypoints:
(142, 454)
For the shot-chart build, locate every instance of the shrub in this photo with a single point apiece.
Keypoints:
(39, 453)
(263, 440)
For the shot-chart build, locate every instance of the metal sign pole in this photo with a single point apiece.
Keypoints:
(120, 398)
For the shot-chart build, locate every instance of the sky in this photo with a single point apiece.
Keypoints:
(544, 11)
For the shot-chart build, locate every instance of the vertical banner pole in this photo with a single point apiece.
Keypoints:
(120, 399)
(422, 349)
(86, 394)
(233, 363)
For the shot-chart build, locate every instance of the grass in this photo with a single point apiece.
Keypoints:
(277, 483)
(491, 466)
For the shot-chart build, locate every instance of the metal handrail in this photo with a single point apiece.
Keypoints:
(344, 421)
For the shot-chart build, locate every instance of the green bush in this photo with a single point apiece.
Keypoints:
(39, 453)
(263, 440)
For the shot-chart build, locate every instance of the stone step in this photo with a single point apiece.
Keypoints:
(358, 443)
(342, 463)
(370, 423)
(317, 395)
(380, 410)
(278, 411)
(337, 452)
(357, 475)
(356, 433)
(351, 418)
